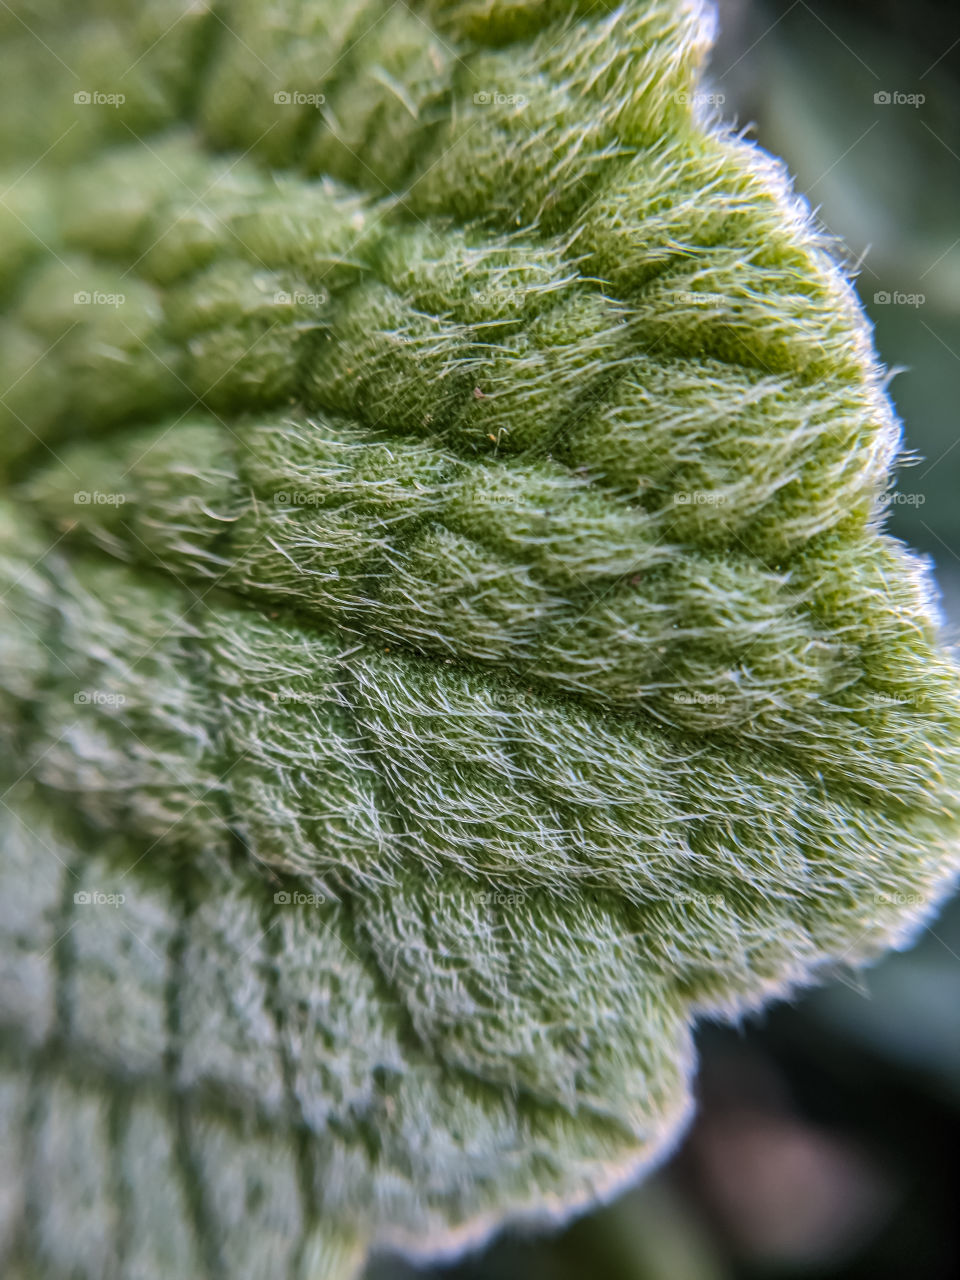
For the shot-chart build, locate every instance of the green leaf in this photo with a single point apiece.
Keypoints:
(449, 644)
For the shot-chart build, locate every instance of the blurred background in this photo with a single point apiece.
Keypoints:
(827, 1142)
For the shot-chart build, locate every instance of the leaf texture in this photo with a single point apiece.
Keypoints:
(449, 641)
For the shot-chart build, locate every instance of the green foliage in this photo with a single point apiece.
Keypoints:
(444, 597)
